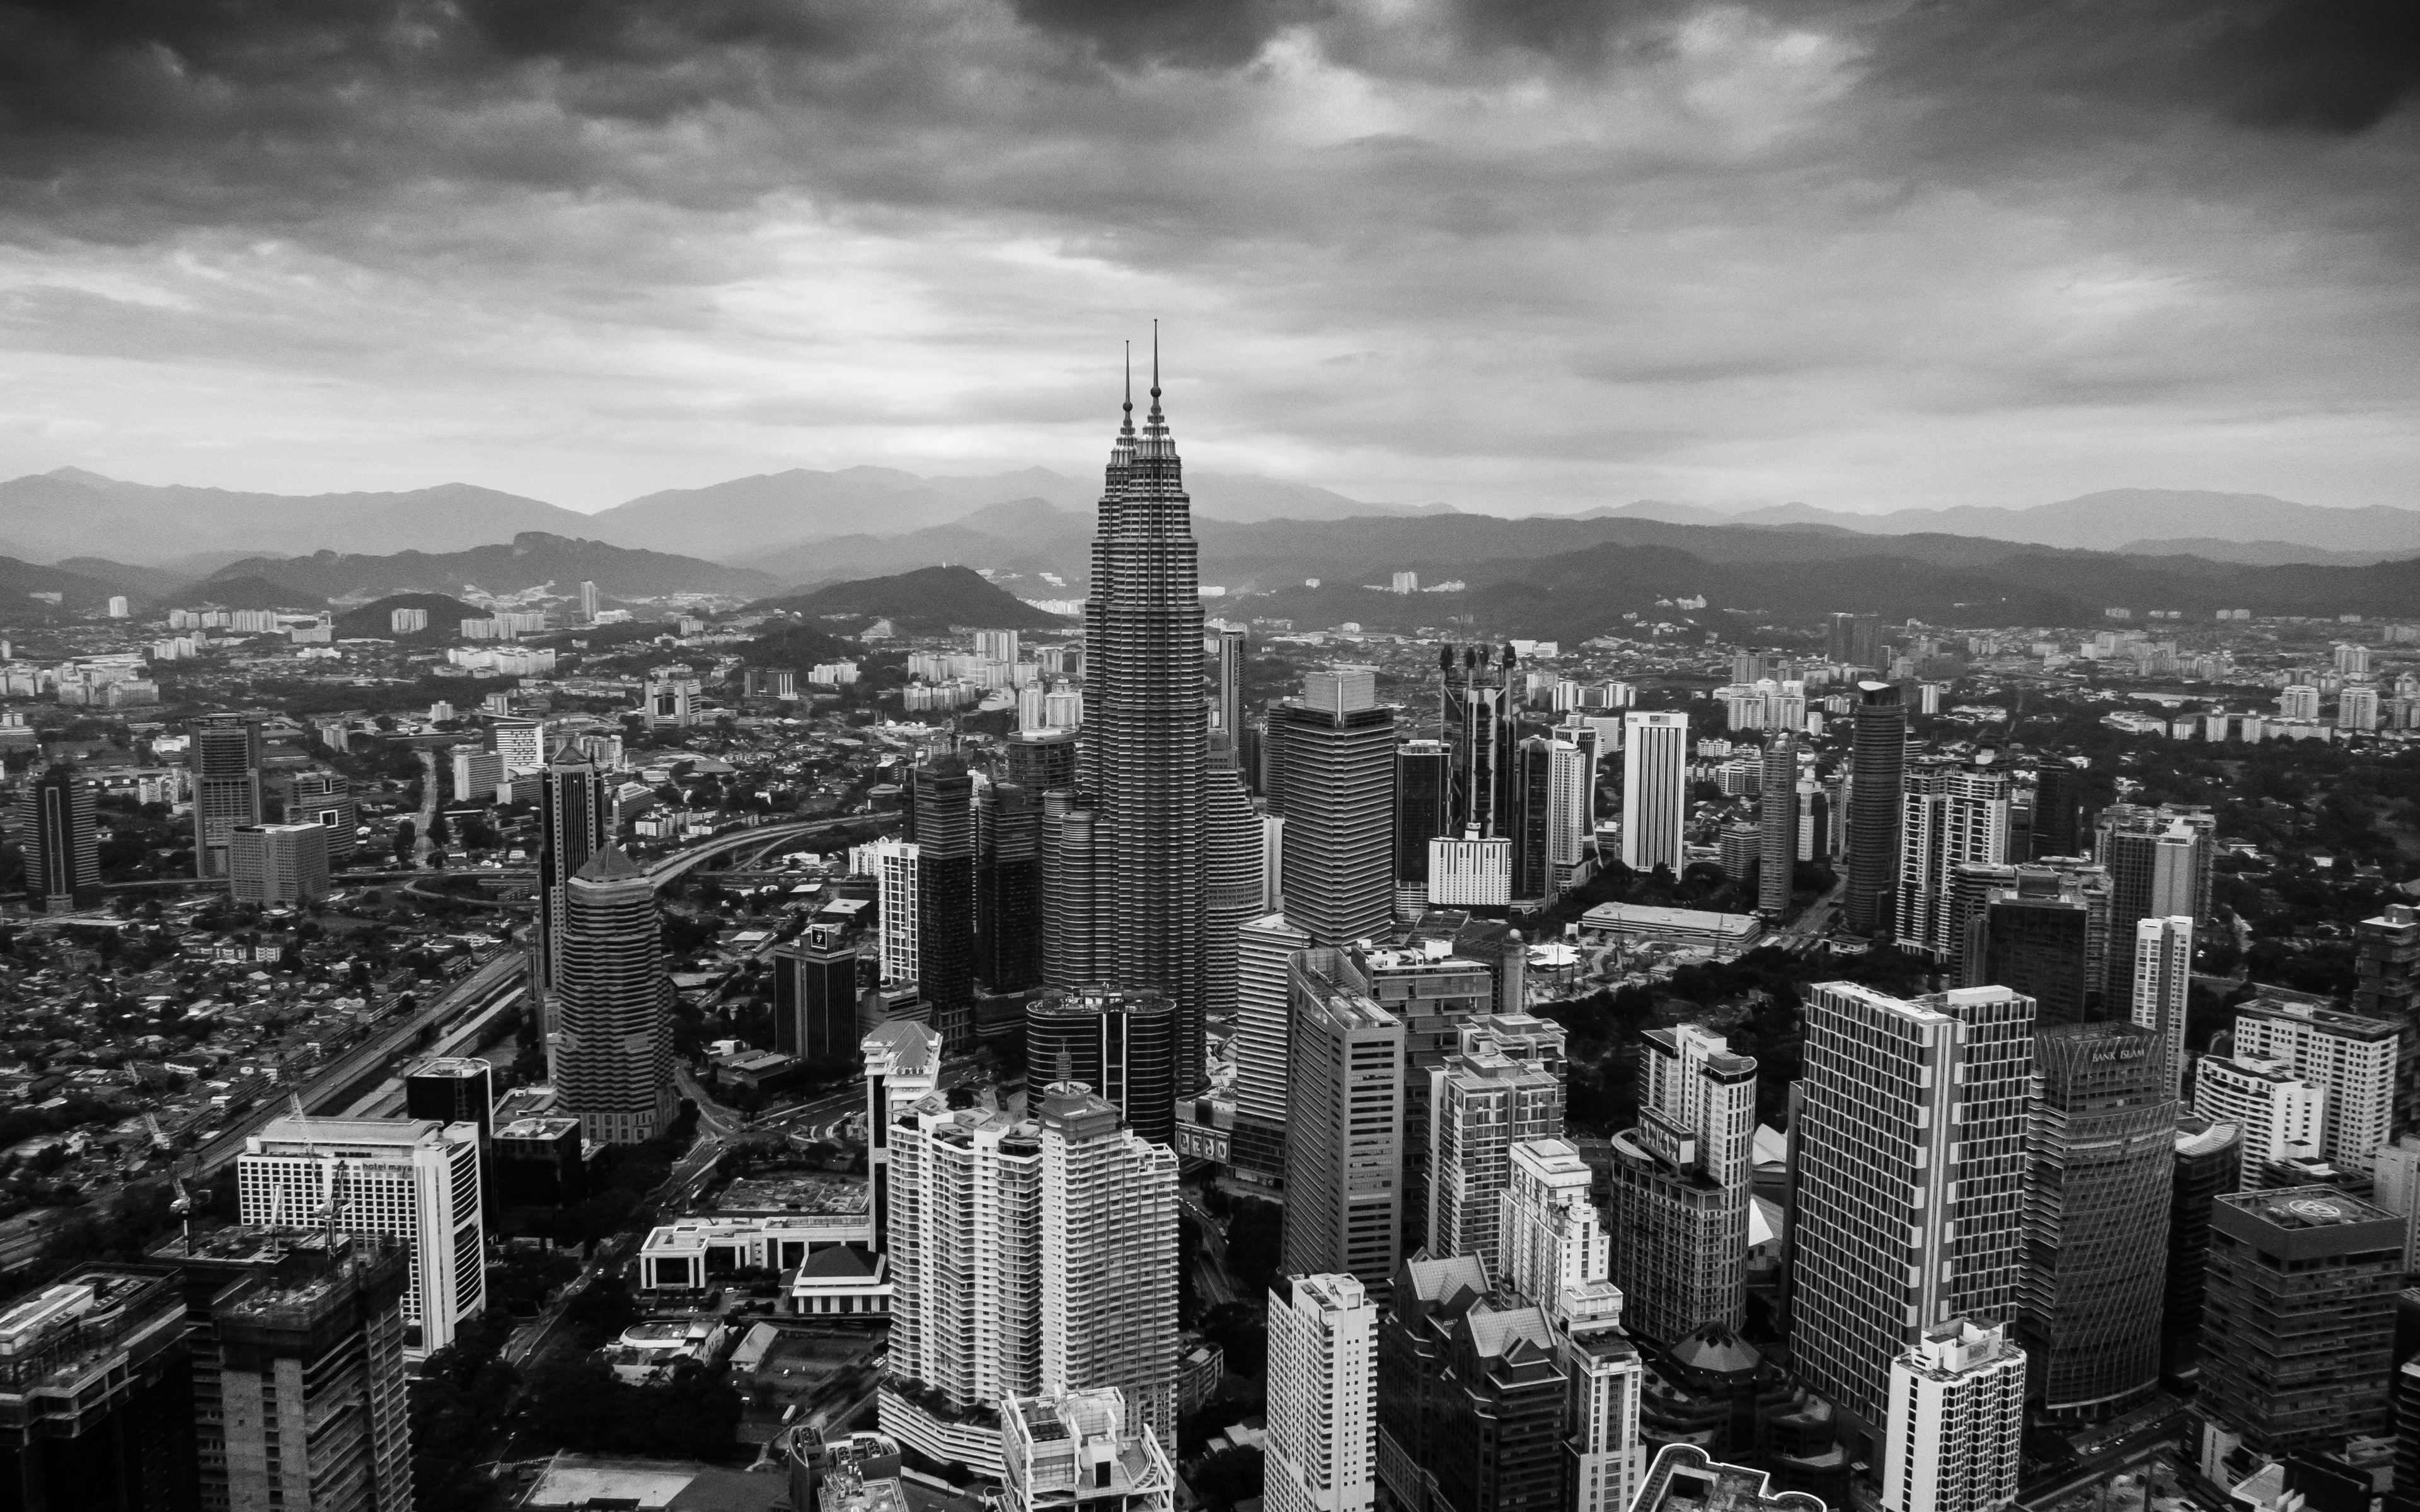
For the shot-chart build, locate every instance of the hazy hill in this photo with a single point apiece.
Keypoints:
(2108, 521)
(534, 559)
(2258, 553)
(241, 586)
(72, 513)
(798, 646)
(143, 585)
(19, 580)
(927, 601)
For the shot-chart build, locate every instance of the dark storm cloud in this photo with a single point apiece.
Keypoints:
(1217, 34)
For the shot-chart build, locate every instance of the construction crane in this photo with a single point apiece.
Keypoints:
(160, 1140)
(183, 1207)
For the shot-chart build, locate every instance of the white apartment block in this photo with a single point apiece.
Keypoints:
(1473, 871)
(2347, 1055)
(1949, 817)
(2162, 980)
(1322, 1401)
(1109, 1260)
(1655, 789)
(1481, 1105)
(1957, 1421)
(1911, 1138)
(2281, 1116)
(896, 864)
(1555, 1254)
(1264, 952)
(416, 1179)
(1074, 1453)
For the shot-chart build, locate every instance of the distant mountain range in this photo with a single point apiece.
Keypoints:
(927, 601)
(534, 559)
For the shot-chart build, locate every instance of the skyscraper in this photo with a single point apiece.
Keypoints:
(1042, 761)
(1777, 817)
(1477, 722)
(1345, 1126)
(2037, 938)
(1232, 863)
(1222, 663)
(2163, 983)
(1108, 1258)
(575, 821)
(2386, 976)
(1482, 1103)
(941, 826)
(898, 894)
(277, 864)
(2278, 1116)
(2102, 1141)
(54, 831)
(299, 1342)
(1571, 810)
(2205, 1163)
(1074, 934)
(2059, 809)
(452, 1089)
(1655, 789)
(814, 995)
(407, 1179)
(1148, 725)
(1423, 808)
(1323, 1401)
(2298, 1328)
(1854, 640)
(1681, 1186)
(902, 1066)
(1533, 781)
(2156, 870)
(1910, 1140)
(613, 1040)
(1114, 1041)
(225, 758)
(1008, 886)
(1957, 1421)
(2349, 1058)
(1950, 816)
(588, 603)
(1333, 779)
(1878, 757)
(1265, 949)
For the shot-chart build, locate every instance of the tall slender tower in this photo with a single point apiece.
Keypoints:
(1777, 820)
(1149, 724)
(225, 758)
(942, 826)
(575, 822)
(54, 830)
(1879, 756)
(1655, 789)
(613, 1055)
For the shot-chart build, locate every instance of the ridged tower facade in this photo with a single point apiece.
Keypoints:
(1149, 727)
(613, 1047)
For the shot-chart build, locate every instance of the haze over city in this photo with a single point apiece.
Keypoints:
(1512, 258)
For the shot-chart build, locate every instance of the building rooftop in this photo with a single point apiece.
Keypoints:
(1685, 1478)
(816, 1192)
(537, 1126)
(465, 1068)
(2334, 1021)
(2297, 1208)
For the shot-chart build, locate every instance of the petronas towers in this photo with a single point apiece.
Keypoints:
(1147, 729)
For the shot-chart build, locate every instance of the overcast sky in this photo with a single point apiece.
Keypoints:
(1510, 254)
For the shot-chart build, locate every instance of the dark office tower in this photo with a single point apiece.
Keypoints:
(2154, 873)
(1777, 857)
(1043, 760)
(1854, 640)
(2040, 944)
(1423, 806)
(2206, 1160)
(2059, 809)
(54, 831)
(1147, 725)
(299, 1393)
(941, 823)
(1477, 718)
(96, 1400)
(1119, 1043)
(1073, 949)
(1879, 754)
(1231, 895)
(224, 760)
(2102, 1137)
(1532, 782)
(2298, 1326)
(1344, 1125)
(452, 1089)
(1222, 668)
(1338, 796)
(326, 799)
(814, 995)
(1008, 888)
(575, 821)
(614, 1051)
(1472, 1396)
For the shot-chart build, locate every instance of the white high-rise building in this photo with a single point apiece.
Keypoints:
(2357, 707)
(1555, 1254)
(902, 1066)
(416, 1179)
(2348, 1057)
(896, 867)
(1655, 789)
(1957, 1421)
(1950, 816)
(1911, 1144)
(2162, 980)
(1482, 1103)
(2299, 700)
(1323, 1407)
(2280, 1114)
(1108, 1258)
(1682, 1183)
(1571, 806)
